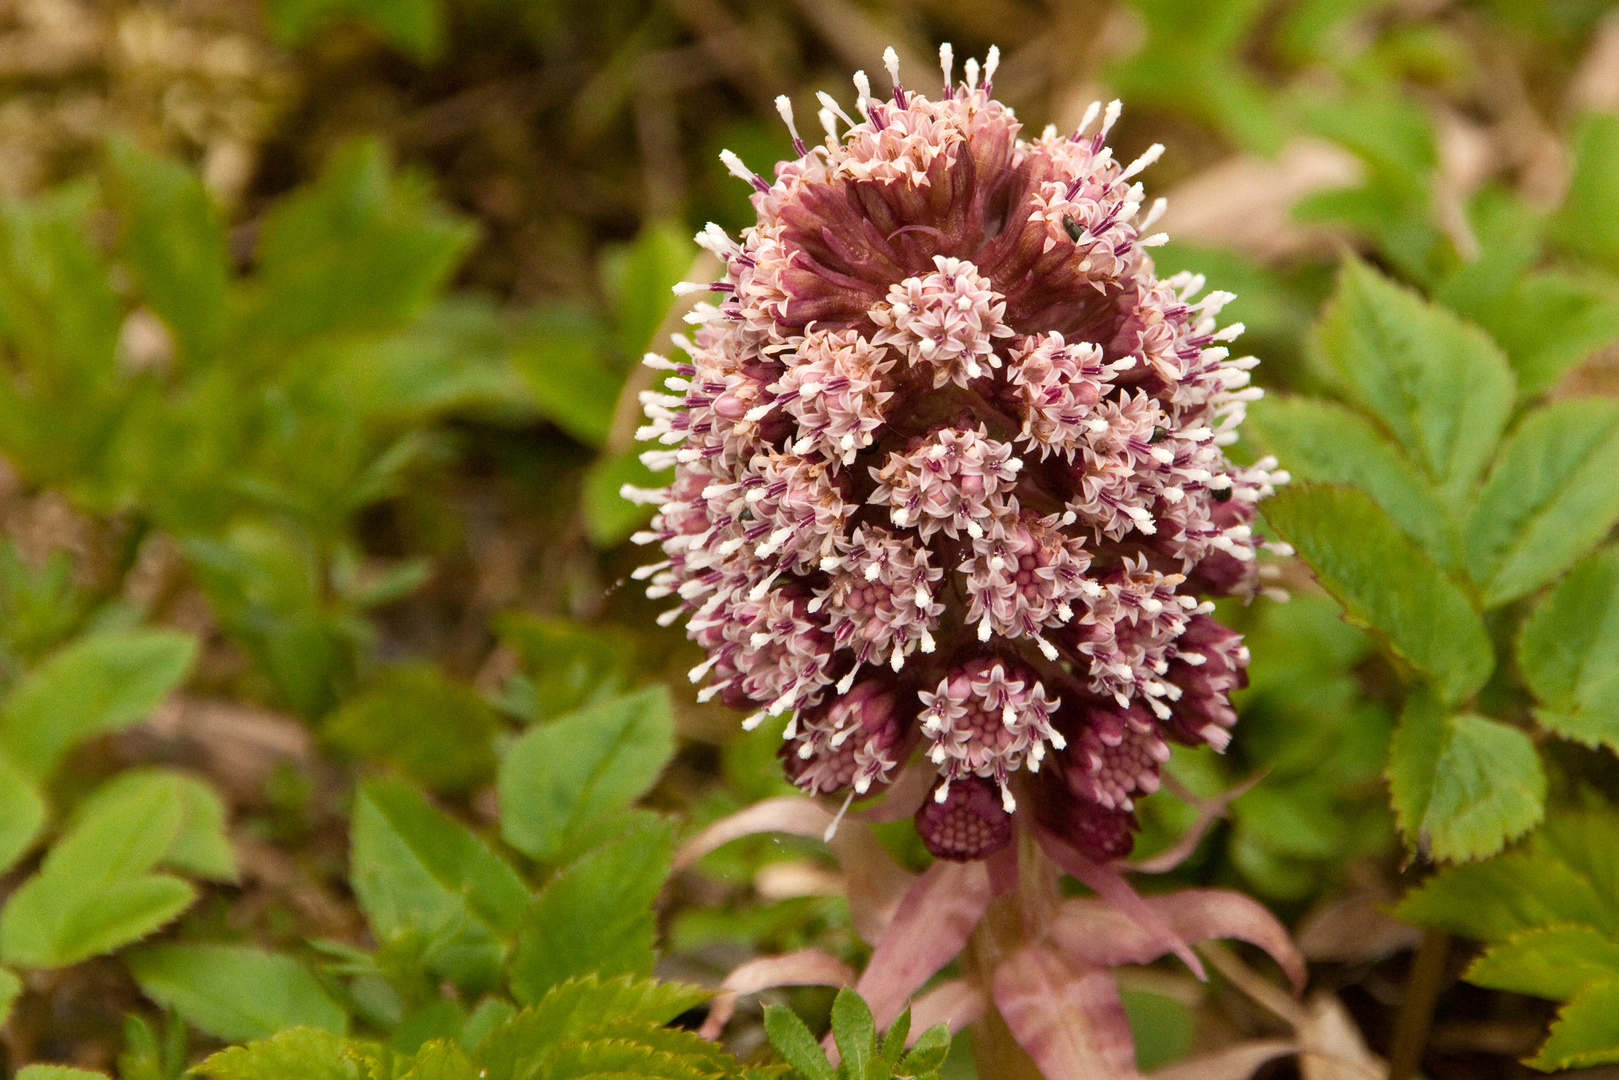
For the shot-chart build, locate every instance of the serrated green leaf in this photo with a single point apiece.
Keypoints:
(415, 27)
(1462, 785)
(441, 1061)
(416, 870)
(438, 732)
(360, 250)
(796, 1044)
(1385, 582)
(1586, 1031)
(94, 685)
(1551, 320)
(931, 1048)
(1588, 222)
(610, 1057)
(22, 814)
(1552, 496)
(235, 992)
(574, 1009)
(93, 892)
(1323, 441)
(1548, 961)
(174, 244)
(1568, 650)
(1441, 386)
(57, 1072)
(564, 774)
(595, 915)
(201, 846)
(10, 990)
(301, 1053)
(854, 1032)
(1492, 900)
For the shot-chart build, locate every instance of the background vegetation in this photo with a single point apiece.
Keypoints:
(325, 699)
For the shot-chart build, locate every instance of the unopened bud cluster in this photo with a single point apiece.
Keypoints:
(948, 471)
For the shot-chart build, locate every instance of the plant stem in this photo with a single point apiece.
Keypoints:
(1012, 921)
(1416, 1010)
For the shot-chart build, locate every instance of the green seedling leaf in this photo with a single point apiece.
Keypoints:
(1462, 785)
(854, 1032)
(565, 775)
(438, 732)
(1568, 651)
(94, 892)
(1586, 1031)
(1440, 386)
(595, 915)
(301, 1053)
(235, 992)
(1386, 583)
(1588, 222)
(201, 846)
(10, 990)
(416, 870)
(174, 244)
(1323, 441)
(1548, 961)
(1552, 496)
(796, 1044)
(94, 685)
(22, 814)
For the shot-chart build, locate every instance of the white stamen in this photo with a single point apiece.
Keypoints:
(827, 101)
(947, 64)
(891, 62)
(832, 829)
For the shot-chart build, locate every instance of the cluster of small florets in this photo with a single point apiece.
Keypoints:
(949, 482)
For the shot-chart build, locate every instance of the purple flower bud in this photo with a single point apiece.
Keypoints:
(949, 472)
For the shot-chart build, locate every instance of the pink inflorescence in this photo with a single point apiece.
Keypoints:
(948, 479)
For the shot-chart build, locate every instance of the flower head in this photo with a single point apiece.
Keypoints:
(948, 471)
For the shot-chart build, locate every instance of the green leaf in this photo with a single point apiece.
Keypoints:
(796, 1044)
(22, 814)
(562, 354)
(1550, 321)
(563, 775)
(442, 1061)
(360, 250)
(595, 915)
(1493, 900)
(10, 990)
(1568, 651)
(416, 870)
(235, 992)
(1548, 961)
(610, 518)
(94, 893)
(94, 685)
(1386, 583)
(1552, 496)
(1586, 1031)
(1323, 441)
(1462, 786)
(640, 280)
(57, 1072)
(619, 1058)
(437, 732)
(201, 846)
(1440, 386)
(579, 1009)
(569, 666)
(931, 1048)
(415, 27)
(854, 1032)
(1588, 222)
(174, 243)
(301, 1053)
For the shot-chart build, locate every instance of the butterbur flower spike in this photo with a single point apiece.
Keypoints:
(949, 485)
(949, 492)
